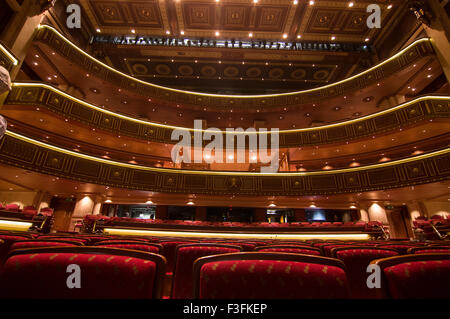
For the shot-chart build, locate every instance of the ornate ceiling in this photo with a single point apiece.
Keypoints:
(265, 19)
(238, 71)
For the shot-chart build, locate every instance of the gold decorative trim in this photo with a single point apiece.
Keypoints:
(21, 151)
(43, 95)
(7, 59)
(408, 55)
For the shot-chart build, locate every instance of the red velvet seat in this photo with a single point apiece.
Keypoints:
(114, 240)
(326, 249)
(148, 247)
(246, 246)
(12, 208)
(84, 241)
(258, 275)
(186, 255)
(400, 247)
(41, 273)
(296, 249)
(35, 243)
(169, 251)
(420, 276)
(429, 250)
(356, 260)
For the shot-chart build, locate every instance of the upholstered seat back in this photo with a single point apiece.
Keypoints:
(182, 287)
(148, 247)
(42, 273)
(421, 276)
(169, 251)
(429, 250)
(356, 260)
(401, 248)
(290, 249)
(269, 276)
(84, 241)
(35, 243)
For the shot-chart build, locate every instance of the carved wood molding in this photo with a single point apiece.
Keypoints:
(58, 43)
(25, 153)
(45, 96)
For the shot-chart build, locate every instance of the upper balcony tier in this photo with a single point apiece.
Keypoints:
(412, 71)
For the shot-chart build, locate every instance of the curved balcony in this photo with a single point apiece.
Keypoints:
(54, 100)
(58, 42)
(64, 64)
(20, 151)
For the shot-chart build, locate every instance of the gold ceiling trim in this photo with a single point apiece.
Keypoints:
(359, 75)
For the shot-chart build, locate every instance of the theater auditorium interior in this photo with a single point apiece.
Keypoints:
(224, 149)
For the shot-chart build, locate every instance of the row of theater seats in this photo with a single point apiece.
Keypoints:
(111, 221)
(35, 266)
(436, 220)
(27, 211)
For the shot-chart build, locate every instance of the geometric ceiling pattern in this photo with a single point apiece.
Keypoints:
(237, 19)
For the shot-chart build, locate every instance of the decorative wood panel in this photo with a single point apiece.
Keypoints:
(414, 53)
(18, 151)
(46, 97)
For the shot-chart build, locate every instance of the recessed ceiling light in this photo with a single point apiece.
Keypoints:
(272, 205)
(312, 206)
(182, 32)
(351, 4)
(333, 38)
(167, 32)
(98, 30)
(285, 36)
(108, 201)
(149, 202)
(190, 203)
(295, 2)
(299, 36)
(133, 31)
(311, 3)
(250, 34)
(367, 39)
(389, 6)
(217, 33)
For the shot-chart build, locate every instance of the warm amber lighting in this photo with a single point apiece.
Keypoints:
(234, 96)
(235, 173)
(174, 233)
(8, 54)
(13, 225)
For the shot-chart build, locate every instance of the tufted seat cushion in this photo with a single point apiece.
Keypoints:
(269, 276)
(356, 260)
(421, 276)
(185, 256)
(41, 273)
